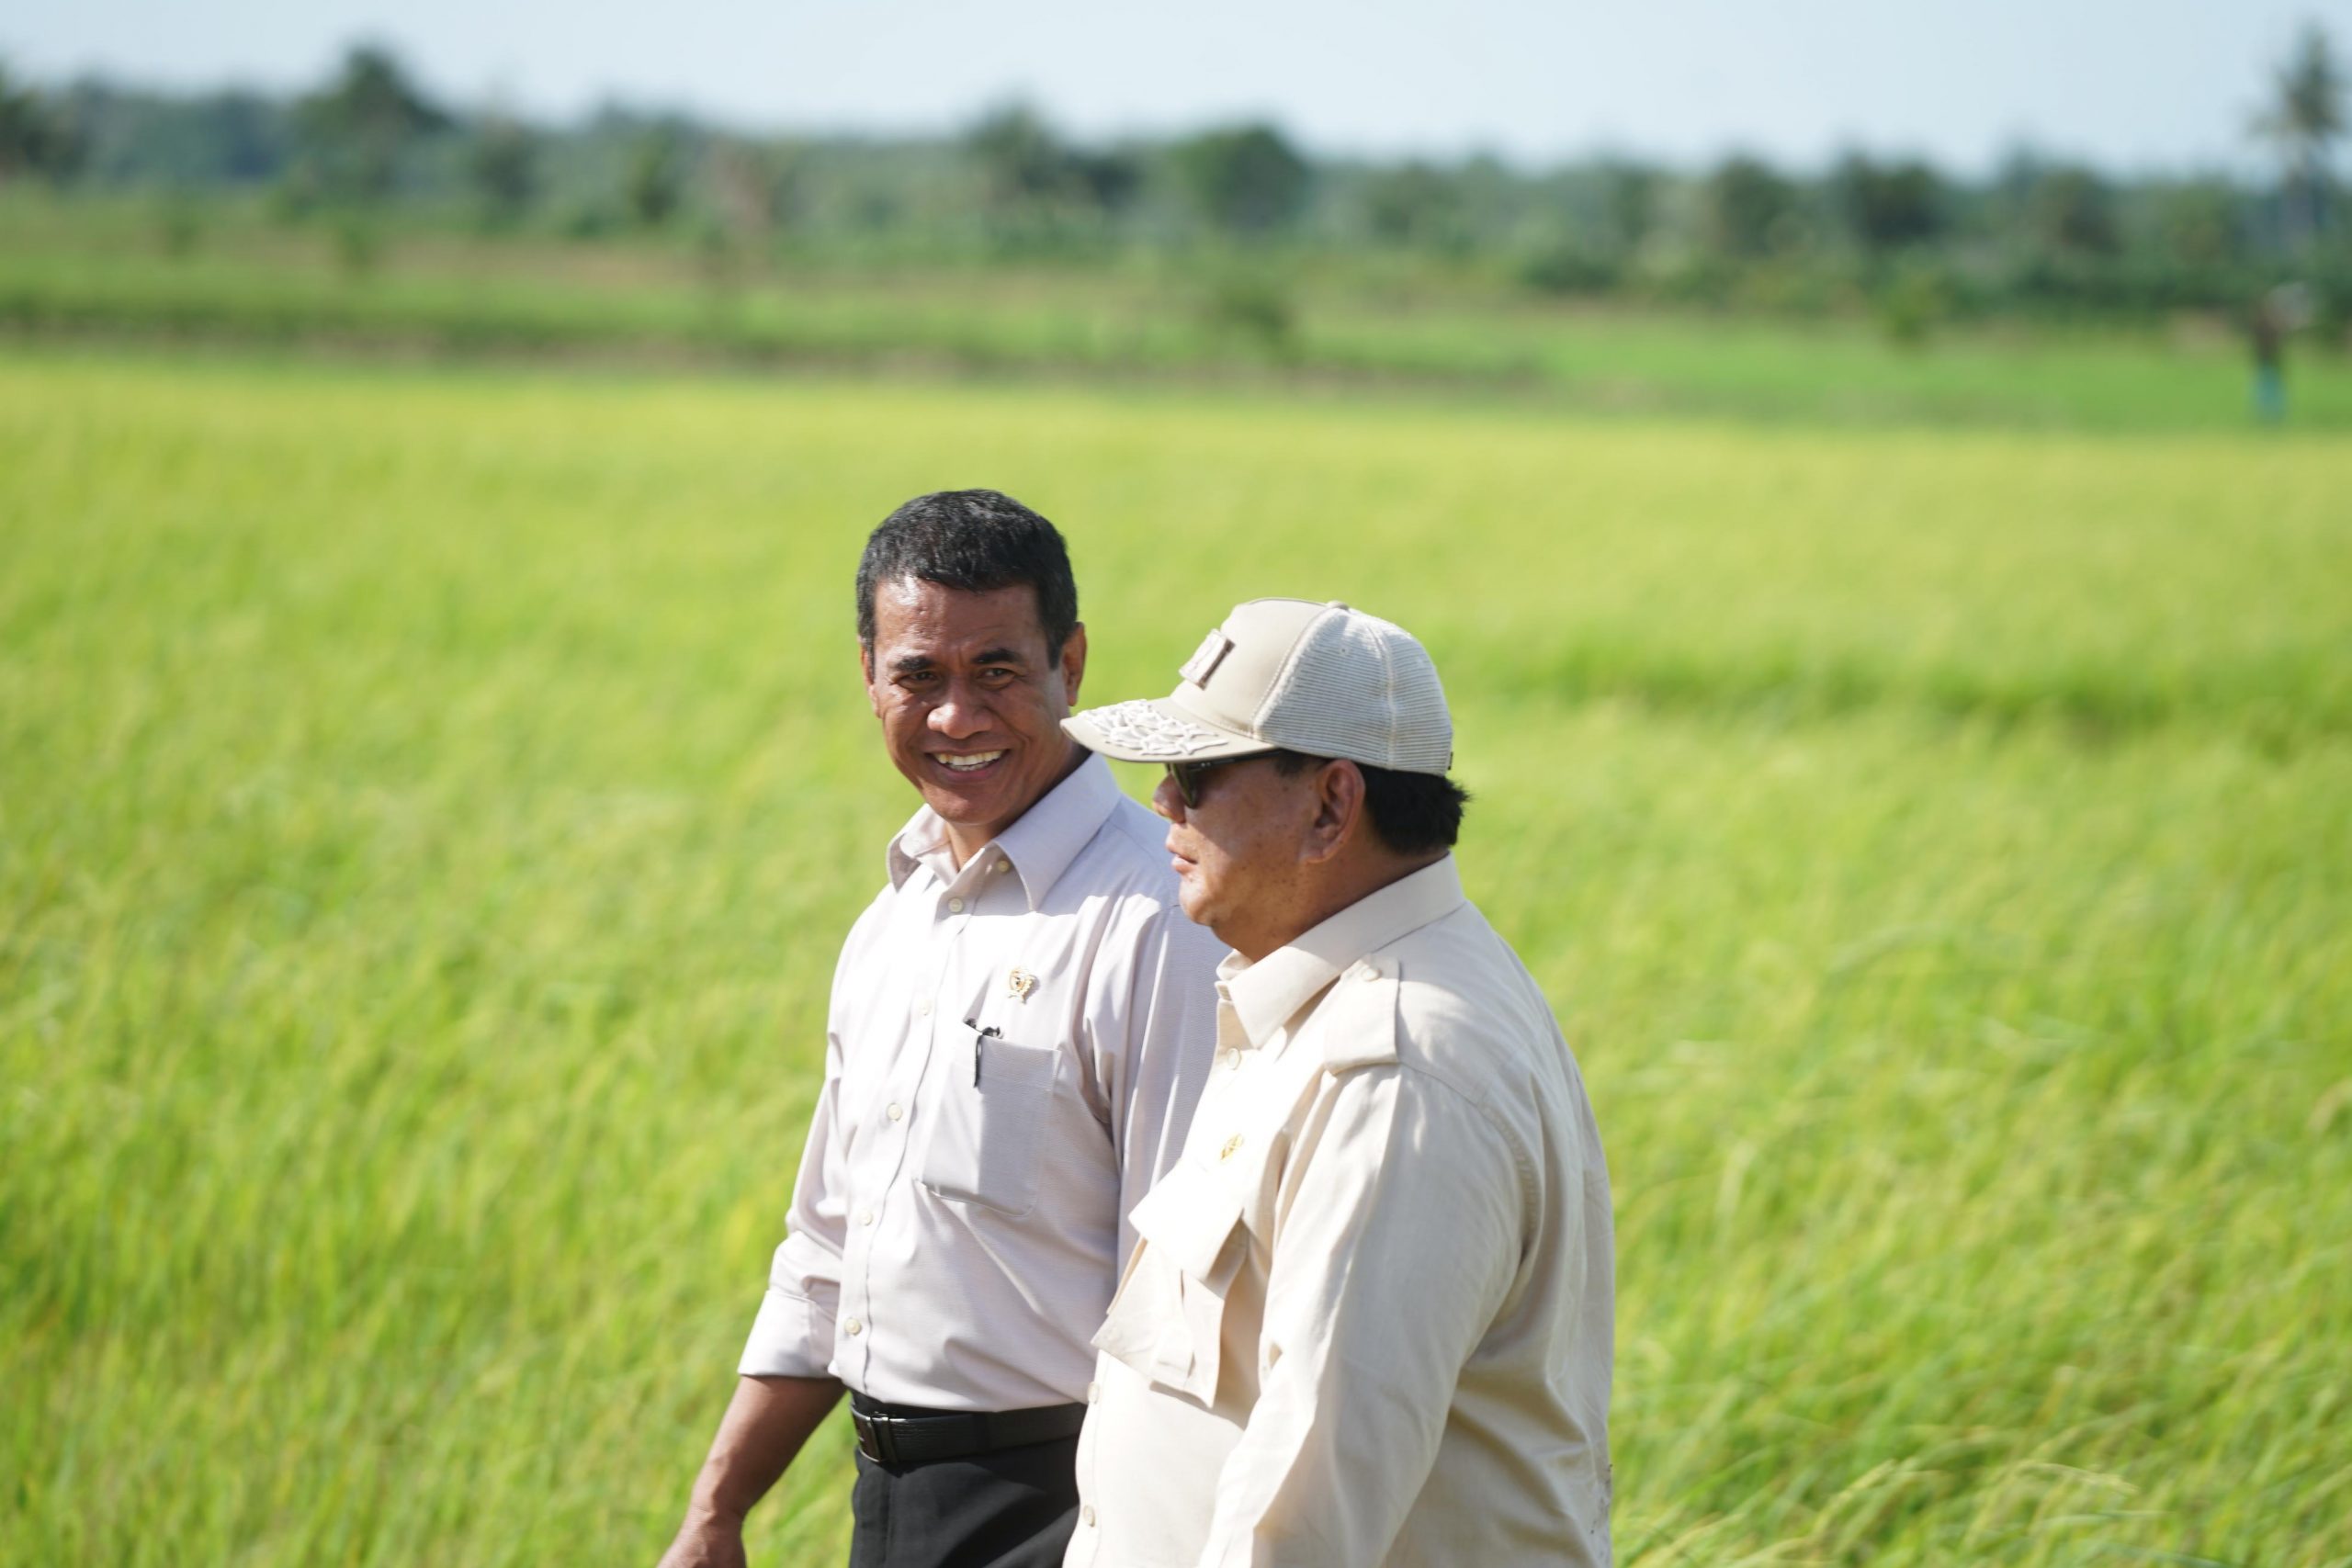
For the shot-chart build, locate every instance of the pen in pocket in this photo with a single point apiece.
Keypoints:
(981, 1037)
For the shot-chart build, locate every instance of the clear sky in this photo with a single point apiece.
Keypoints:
(2133, 84)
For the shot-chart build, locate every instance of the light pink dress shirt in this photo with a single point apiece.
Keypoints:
(962, 1210)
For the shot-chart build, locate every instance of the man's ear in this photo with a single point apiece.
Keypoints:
(1338, 811)
(1073, 663)
(865, 669)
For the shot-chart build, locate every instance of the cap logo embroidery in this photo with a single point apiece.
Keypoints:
(1206, 657)
(1138, 726)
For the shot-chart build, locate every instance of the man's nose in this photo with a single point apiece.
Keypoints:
(1167, 801)
(960, 711)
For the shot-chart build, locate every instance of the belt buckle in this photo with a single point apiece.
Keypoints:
(873, 1439)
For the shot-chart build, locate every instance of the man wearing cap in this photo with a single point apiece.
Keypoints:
(1020, 1024)
(1369, 1318)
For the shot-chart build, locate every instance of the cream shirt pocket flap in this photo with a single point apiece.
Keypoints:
(1188, 1215)
(1167, 1321)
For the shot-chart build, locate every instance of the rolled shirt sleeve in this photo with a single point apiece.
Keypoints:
(793, 1335)
(1401, 1242)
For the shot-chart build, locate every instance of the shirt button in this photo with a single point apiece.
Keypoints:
(1372, 972)
(922, 1008)
(1086, 1515)
(1233, 1056)
(854, 1328)
(1231, 1144)
(866, 1216)
(897, 1111)
(954, 905)
(1094, 1392)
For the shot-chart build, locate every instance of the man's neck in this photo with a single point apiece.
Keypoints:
(1343, 887)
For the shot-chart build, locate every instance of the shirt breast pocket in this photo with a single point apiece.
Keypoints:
(1168, 1320)
(988, 1131)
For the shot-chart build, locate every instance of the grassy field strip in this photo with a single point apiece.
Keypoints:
(430, 804)
(96, 275)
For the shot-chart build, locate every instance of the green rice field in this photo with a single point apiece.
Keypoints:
(431, 800)
(89, 270)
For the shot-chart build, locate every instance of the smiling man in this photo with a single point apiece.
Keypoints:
(1020, 1024)
(1369, 1318)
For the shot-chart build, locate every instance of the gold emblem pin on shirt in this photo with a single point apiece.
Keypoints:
(1019, 982)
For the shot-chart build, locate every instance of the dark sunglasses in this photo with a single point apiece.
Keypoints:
(1187, 777)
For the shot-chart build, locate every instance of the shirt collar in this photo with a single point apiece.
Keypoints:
(1266, 995)
(1040, 844)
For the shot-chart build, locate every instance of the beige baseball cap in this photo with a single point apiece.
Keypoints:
(1292, 675)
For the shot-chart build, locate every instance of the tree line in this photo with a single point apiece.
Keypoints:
(1911, 240)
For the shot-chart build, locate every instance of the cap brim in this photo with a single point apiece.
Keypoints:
(1153, 729)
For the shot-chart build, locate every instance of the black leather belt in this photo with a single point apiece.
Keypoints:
(902, 1434)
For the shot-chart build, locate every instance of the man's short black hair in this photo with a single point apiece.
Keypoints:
(972, 540)
(1412, 813)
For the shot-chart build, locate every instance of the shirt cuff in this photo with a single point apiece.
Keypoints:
(792, 1337)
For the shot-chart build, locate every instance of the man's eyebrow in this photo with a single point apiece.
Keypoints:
(917, 663)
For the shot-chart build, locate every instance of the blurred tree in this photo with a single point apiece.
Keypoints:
(37, 136)
(1630, 193)
(1749, 208)
(1887, 207)
(358, 127)
(1413, 204)
(791, 168)
(2200, 224)
(1028, 173)
(1109, 178)
(1491, 204)
(655, 181)
(1568, 267)
(503, 164)
(234, 136)
(2071, 212)
(1247, 180)
(154, 139)
(2305, 116)
(2011, 192)
(1022, 163)
(746, 188)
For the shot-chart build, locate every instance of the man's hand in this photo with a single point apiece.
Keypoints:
(706, 1540)
(763, 1428)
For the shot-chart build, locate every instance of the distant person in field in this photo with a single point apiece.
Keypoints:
(1370, 1318)
(2268, 332)
(1020, 1024)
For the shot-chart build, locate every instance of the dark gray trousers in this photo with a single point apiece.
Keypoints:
(1012, 1509)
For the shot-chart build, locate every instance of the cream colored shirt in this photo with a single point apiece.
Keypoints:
(1370, 1320)
(961, 1213)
